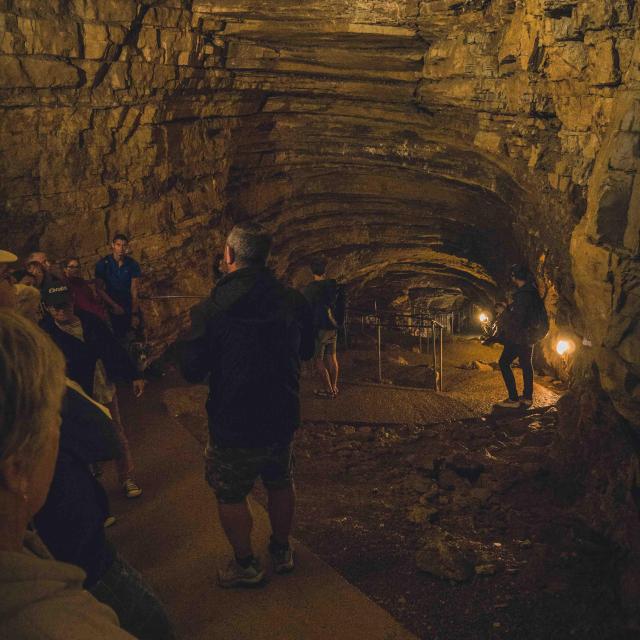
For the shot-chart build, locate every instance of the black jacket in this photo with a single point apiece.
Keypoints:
(99, 343)
(249, 336)
(71, 522)
(516, 321)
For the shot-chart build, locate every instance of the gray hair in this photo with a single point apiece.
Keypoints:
(250, 242)
(32, 381)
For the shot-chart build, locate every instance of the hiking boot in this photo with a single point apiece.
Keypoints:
(282, 559)
(236, 576)
(508, 404)
(131, 489)
(526, 402)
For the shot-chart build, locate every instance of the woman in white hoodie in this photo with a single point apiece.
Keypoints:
(39, 597)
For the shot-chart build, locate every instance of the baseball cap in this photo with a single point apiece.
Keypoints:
(56, 294)
(7, 256)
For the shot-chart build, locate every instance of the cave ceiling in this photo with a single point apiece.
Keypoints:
(342, 159)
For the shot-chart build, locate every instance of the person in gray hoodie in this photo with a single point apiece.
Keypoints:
(39, 597)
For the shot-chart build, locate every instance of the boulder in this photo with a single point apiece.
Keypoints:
(446, 556)
(419, 513)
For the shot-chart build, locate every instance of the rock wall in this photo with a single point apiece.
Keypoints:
(422, 144)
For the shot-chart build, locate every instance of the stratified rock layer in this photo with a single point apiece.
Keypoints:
(422, 144)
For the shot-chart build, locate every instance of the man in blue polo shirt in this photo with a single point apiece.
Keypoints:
(120, 274)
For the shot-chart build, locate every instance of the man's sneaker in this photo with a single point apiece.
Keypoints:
(131, 489)
(236, 576)
(508, 404)
(282, 560)
(526, 402)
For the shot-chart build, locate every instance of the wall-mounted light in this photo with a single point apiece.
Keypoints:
(565, 347)
(483, 317)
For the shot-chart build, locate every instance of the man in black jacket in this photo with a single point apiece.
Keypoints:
(249, 337)
(517, 324)
(95, 360)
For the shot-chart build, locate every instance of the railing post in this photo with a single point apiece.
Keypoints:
(379, 342)
(441, 358)
(428, 337)
(435, 356)
(344, 328)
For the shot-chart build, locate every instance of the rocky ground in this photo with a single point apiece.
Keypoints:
(459, 528)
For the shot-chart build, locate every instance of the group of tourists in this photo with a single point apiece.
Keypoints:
(91, 322)
(62, 357)
(60, 420)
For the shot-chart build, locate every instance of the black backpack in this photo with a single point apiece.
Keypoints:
(340, 306)
(539, 326)
(324, 297)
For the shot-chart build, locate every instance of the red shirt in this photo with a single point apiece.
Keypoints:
(85, 299)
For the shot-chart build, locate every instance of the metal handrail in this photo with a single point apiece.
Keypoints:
(418, 321)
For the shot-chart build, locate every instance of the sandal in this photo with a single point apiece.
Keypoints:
(323, 393)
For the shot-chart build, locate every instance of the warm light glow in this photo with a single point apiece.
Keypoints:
(563, 347)
(484, 317)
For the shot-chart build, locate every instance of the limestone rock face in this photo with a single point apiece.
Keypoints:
(421, 145)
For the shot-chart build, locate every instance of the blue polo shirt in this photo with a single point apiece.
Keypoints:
(118, 278)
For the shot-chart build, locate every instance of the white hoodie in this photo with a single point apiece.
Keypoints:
(42, 599)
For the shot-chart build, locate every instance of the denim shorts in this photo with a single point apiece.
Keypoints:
(231, 472)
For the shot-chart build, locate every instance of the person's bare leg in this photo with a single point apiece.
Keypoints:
(333, 369)
(124, 463)
(282, 506)
(324, 374)
(237, 523)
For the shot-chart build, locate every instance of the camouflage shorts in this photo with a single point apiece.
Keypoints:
(232, 472)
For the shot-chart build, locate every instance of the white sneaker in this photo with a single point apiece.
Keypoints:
(236, 576)
(282, 560)
(526, 402)
(508, 404)
(131, 489)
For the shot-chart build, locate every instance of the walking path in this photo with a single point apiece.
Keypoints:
(172, 536)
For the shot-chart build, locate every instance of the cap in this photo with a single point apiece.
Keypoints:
(56, 294)
(7, 256)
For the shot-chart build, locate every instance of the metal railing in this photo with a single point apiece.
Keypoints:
(423, 326)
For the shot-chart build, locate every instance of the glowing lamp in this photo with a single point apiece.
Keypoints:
(563, 347)
(484, 317)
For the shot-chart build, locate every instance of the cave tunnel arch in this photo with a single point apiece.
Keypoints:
(390, 217)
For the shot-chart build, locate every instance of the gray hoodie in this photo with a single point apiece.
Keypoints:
(42, 599)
